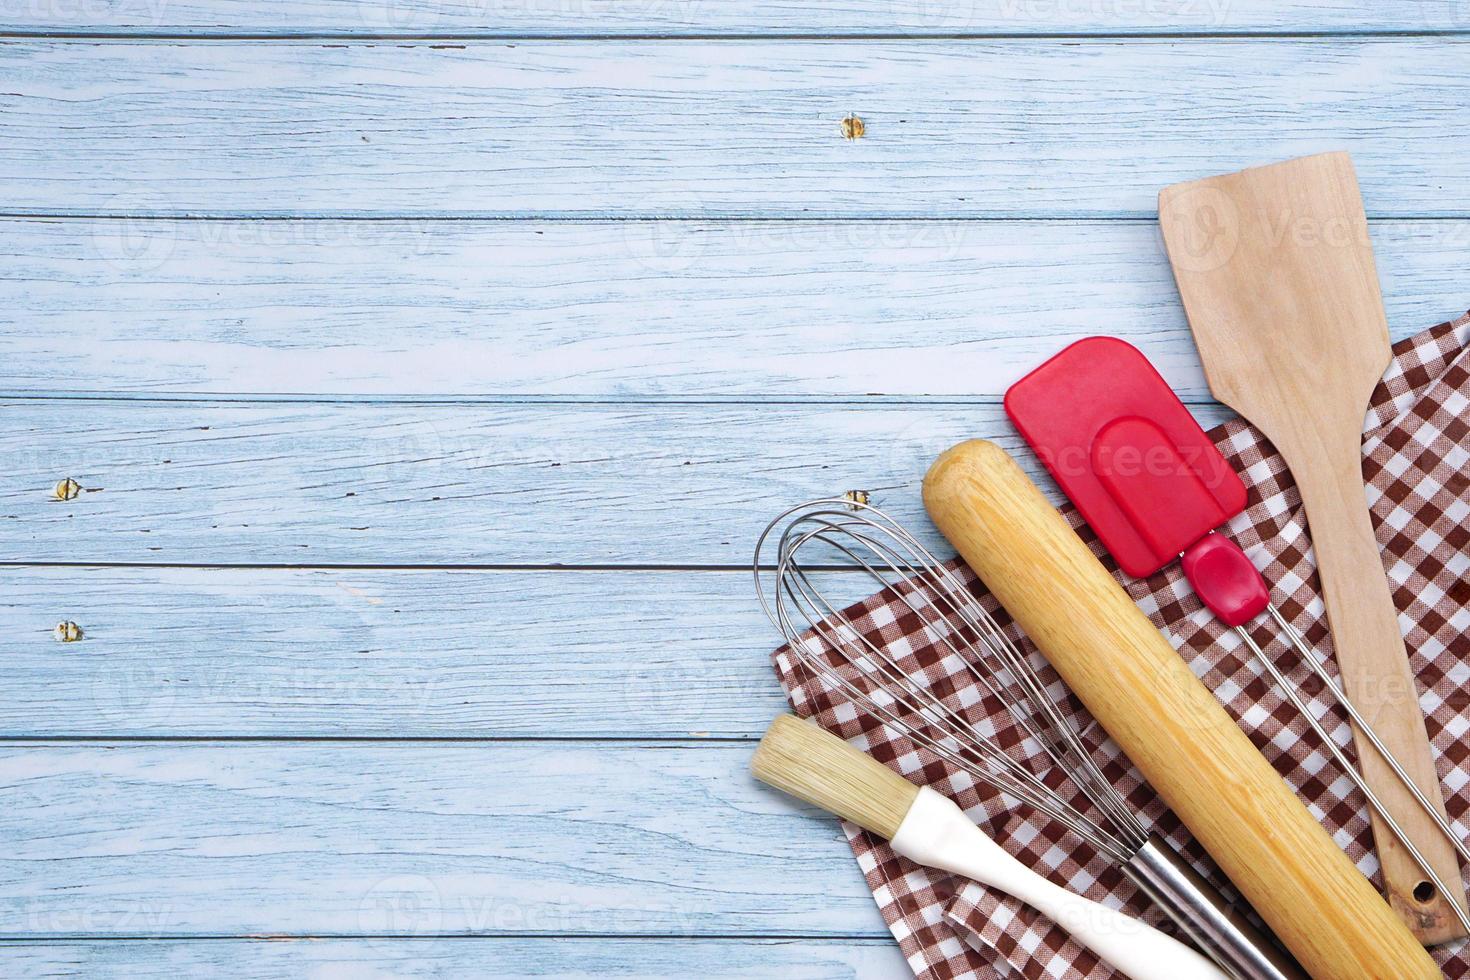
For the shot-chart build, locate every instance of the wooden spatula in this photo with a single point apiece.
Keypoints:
(1276, 272)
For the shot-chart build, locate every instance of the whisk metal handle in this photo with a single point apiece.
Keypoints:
(936, 833)
(1227, 936)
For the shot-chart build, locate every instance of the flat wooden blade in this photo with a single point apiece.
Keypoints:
(1276, 271)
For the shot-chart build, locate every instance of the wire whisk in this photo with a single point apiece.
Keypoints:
(969, 641)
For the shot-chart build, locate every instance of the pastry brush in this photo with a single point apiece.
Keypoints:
(928, 828)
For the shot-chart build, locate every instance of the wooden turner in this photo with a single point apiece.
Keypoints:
(1276, 272)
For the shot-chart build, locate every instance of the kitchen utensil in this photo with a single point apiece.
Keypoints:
(892, 688)
(1276, 271)
(806, 761)
(1152, 485)
(1126, 451)
(1166, 721)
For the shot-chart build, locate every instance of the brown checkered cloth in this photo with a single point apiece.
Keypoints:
(1415, 454)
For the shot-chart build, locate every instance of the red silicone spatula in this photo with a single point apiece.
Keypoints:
(1152, 485)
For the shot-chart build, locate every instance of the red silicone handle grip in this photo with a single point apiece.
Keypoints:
(1225, 579)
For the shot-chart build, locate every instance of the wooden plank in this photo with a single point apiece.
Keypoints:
(408, 839)
(954, 309)
(430, 18)
(708, 128)
(452, 959)
(310, 484)
(364, 653)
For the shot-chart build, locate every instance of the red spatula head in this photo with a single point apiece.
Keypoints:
(1126, 451)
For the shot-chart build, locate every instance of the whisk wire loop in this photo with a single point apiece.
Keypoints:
(1003, 772)
(933, 583)
(886, 680)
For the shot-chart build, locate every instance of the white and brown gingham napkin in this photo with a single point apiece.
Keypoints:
(1416, 458)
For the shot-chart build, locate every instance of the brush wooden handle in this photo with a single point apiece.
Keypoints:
(928, 828)
(1167, 722)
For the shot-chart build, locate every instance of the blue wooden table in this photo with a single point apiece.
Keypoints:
(426, 368)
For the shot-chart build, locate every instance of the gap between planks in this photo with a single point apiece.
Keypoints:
(855, 20)
(472, 400)
(509, 567)
(430, 39)
(650, 742)
(856, 937)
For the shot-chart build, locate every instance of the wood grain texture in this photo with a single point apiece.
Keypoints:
(407, 654)
(303, 484)
(456, 958)
(414, 839)
(1170, 725)
(736, 128)
(1292, 332)
(747, 310)
(720, 17)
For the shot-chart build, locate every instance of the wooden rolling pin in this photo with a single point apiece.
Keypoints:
(1168, 723)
